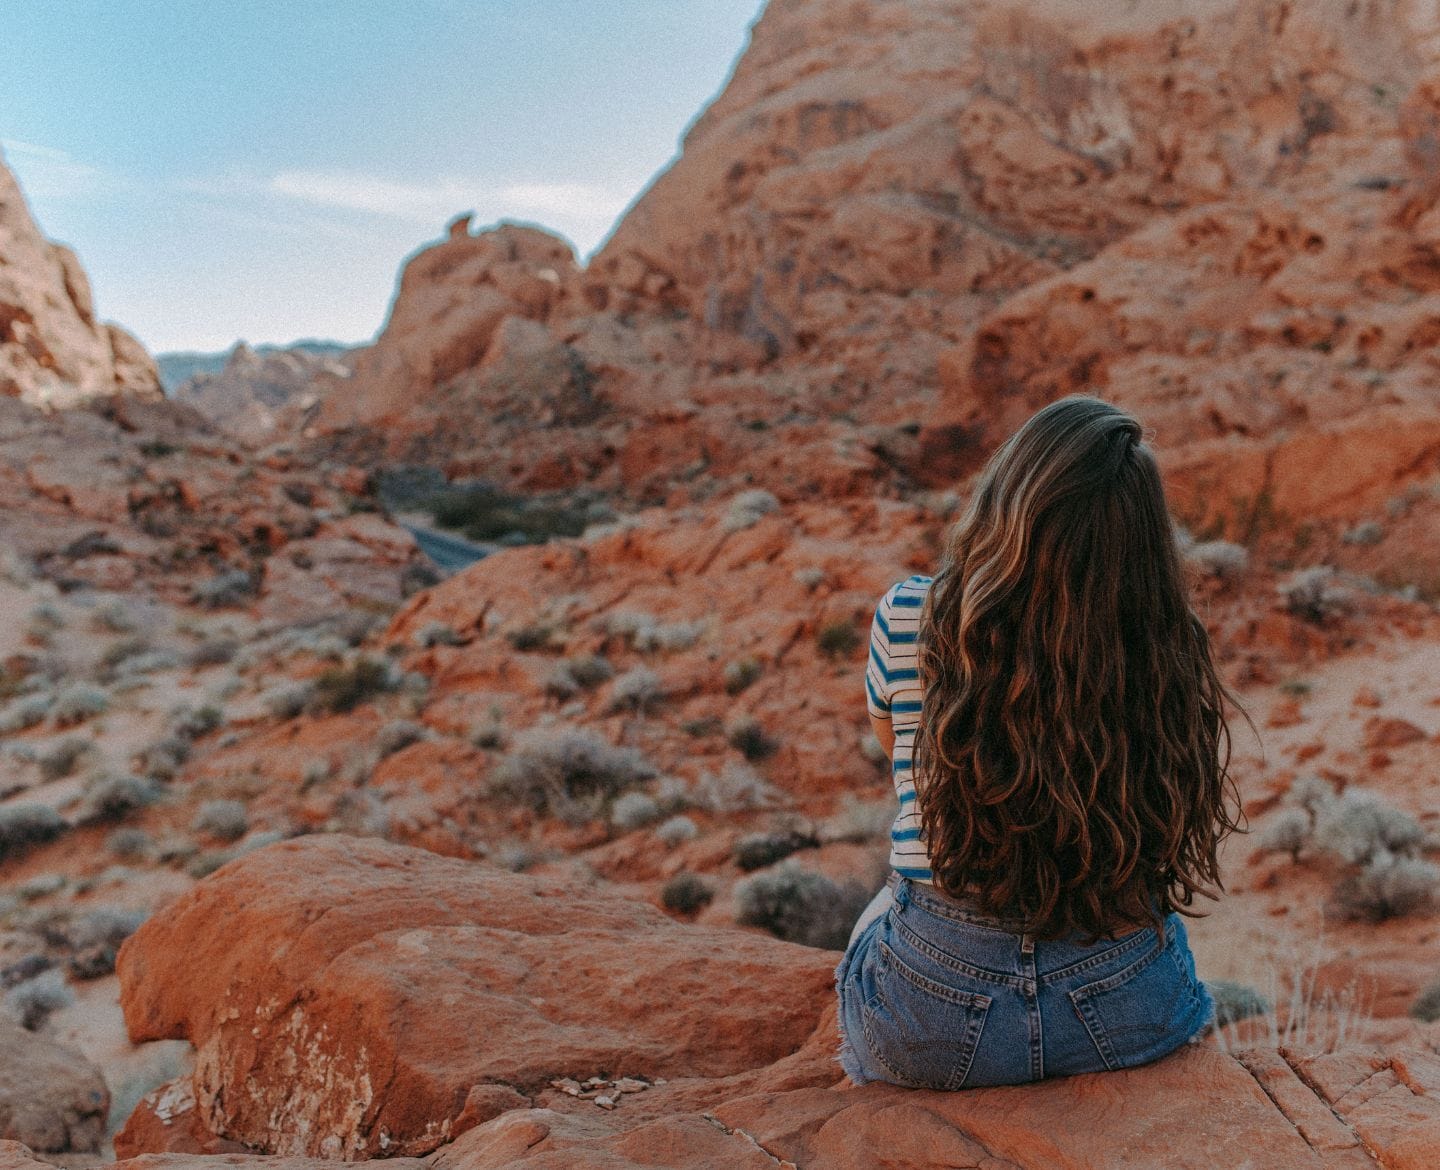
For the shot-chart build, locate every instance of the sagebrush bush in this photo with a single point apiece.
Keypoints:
(1288, 831)
(676, 831)
(747, 508)
(686, 893)
(1427, 1004)
(115, 616)
(225, 820)
(748, 738)
(740, 674)
(287, 700)
(25, 825)
(1359, 826)
(757, 850)
(534, 636)
(838, 639)
(115, 796)
(77, 703)
(1219, 558)
(25, 712)
(193, 722)
(225, 590)
(1235, 1001)
(637, 690)
(801, 905)
(1388, 887)
(437, 634)
(568, 772)
(1316, 595)
(164, 758)
(809, 579)
(343, 688)
(130, 844)
(735, 788)
(634, 810)
(398, 734)
(860, 820)
(214, 651)
(32, 1002)
(61, 759)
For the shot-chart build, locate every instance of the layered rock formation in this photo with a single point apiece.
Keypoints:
(53, 351)
(259, 392)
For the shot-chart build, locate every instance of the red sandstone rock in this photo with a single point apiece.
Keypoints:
(1381, 732)
(344, 996)
(52, 349)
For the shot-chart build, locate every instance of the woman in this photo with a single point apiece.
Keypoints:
(1060, 751)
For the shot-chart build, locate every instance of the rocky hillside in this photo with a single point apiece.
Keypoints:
(53, 352)
(305, 854)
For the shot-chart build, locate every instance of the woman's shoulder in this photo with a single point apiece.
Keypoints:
(906, 594)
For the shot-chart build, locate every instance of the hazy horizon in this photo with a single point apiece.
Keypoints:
(262, 174)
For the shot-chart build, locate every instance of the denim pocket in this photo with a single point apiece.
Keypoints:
(923, 1032)
(1144, 1010)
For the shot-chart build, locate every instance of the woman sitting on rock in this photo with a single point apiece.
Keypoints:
(1059, 747)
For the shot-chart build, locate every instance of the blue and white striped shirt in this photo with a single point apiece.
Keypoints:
(892, 690)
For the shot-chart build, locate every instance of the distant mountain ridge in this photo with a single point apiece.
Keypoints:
(178, 367)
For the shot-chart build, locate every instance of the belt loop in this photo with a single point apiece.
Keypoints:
(902, 893)
(1027, 944)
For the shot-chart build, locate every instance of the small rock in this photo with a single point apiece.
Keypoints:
(1390, 733)
(605, 1102)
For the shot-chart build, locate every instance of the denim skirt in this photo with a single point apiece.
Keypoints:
(936, 995)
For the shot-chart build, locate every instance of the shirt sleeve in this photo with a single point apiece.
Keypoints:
(878, 666)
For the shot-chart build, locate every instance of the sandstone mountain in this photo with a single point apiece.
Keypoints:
(53, 351)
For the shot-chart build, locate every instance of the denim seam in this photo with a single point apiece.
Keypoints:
(1127, 972)
(976, 1014)
(934, 952)
(1147, 935)
(933, 905)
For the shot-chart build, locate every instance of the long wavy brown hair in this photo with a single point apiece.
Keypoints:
(1072, 759)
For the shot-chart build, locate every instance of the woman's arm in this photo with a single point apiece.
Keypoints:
(877, 676)
(884, 732)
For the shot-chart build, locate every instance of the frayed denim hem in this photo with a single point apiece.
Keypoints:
(845, 1055)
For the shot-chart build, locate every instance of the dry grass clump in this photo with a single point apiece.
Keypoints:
(115, 796)
(637, 690)
(569, 772)
(225, 820)
(676, 831)
(1427, 1004)
(758, 850)
(399, 734)
(1220, 559)
(583, 672)
(741, 674)
(748, 738)
(1316, 595)
(62, 758)
(79, 702)
(747, 508)
(838, 639)
(646, 634)
(801, 905)
(343, 688)
(225, 590)
(735, 788)
(433, 634)
(25, 712)
(634, 810)
(32, 1002)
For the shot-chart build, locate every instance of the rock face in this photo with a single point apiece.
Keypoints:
(52, 349)
(456, 302)
(261, 391)
(335, 1042)
(51, 1098)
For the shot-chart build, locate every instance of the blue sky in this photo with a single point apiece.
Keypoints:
(261, 169)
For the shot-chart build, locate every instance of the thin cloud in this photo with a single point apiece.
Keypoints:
(47, 172)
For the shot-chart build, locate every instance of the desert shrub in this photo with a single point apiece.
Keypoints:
(488, 733)
(343, 688)
(25, 712)
(747, 508)
(115, 796)
(633, 810)
(25, 825)
(809, 578)
(224, 591)
(580, 673)
(397, 734)
(216, 651)
(838, 639)
(676, 831)
(130, 646)
(77, 703)
(114, 616)
(1287, 832)
(748, 738)
(485, 513)
(225, 820)
(1427, 1004)
(1310, 792)
(129, 844)
(32, 1002)
(202, 865)
(95, 937)
(60, 759)
(647, 634)
(193, 722)
(757, 850)
(800, 905)
(46, 616)
(1387, 887)
(740, 674)
(437, 634)
(1219, 558)
(1235, 1001)
(735, 788)
(568, 772)
(534, 636)
(164, 758)
(1315, 594)
(686, 893)
(1366, 532)
(701, 728)
(288, 699)
(636, 690)
(1359, 826)
(133, 667)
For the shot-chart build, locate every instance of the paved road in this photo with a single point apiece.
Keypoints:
(450, 553)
